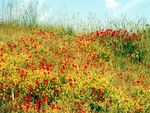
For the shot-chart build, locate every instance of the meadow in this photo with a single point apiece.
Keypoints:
(53, 69)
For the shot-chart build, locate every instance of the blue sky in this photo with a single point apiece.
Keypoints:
(100, 8)
(57, 10)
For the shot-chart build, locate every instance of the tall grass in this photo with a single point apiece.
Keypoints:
(26, 12)
(16, 11)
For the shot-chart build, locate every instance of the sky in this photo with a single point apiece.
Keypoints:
(61, 10)
(99, 8)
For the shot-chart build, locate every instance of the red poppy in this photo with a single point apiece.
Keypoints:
(20, 107)
(97, 33)
(28, 100)
(27, 107)
(48, 67)
(45, 81)
(38, 104)
(15, 106)
(137, 81)
(58, 108)
(54, 106)
(4, 110)
(138, 109)
(11, 108)
(41, 65)
(24, 96)
(102, 42)
(74, 66)
(6, 85)
(110, 102)
(85, 66)
(15, 46)
(88, 62)
(43, 59)
(37, 83)
(53, 78)
(94, 92)
(16, 95)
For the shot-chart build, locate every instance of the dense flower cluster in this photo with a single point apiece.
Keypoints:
(44, 71)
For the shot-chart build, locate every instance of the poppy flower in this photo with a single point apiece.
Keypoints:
(11, 108)
(54, 106)
(37, 83)
(43, 59)
(137, 81)
(110, 102)
(15, 46)
(20, 107)
(45, 81)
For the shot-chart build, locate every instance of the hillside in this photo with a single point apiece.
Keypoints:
(54, 69)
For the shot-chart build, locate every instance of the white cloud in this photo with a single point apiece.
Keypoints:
(128, 6)
(111, 3)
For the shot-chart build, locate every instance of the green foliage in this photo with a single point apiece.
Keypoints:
(96, 108)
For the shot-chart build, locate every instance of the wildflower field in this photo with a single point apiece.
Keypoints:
(56, 70)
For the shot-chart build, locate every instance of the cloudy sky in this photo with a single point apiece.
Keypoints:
(101, 9)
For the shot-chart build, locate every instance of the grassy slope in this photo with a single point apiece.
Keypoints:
(82, 74)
